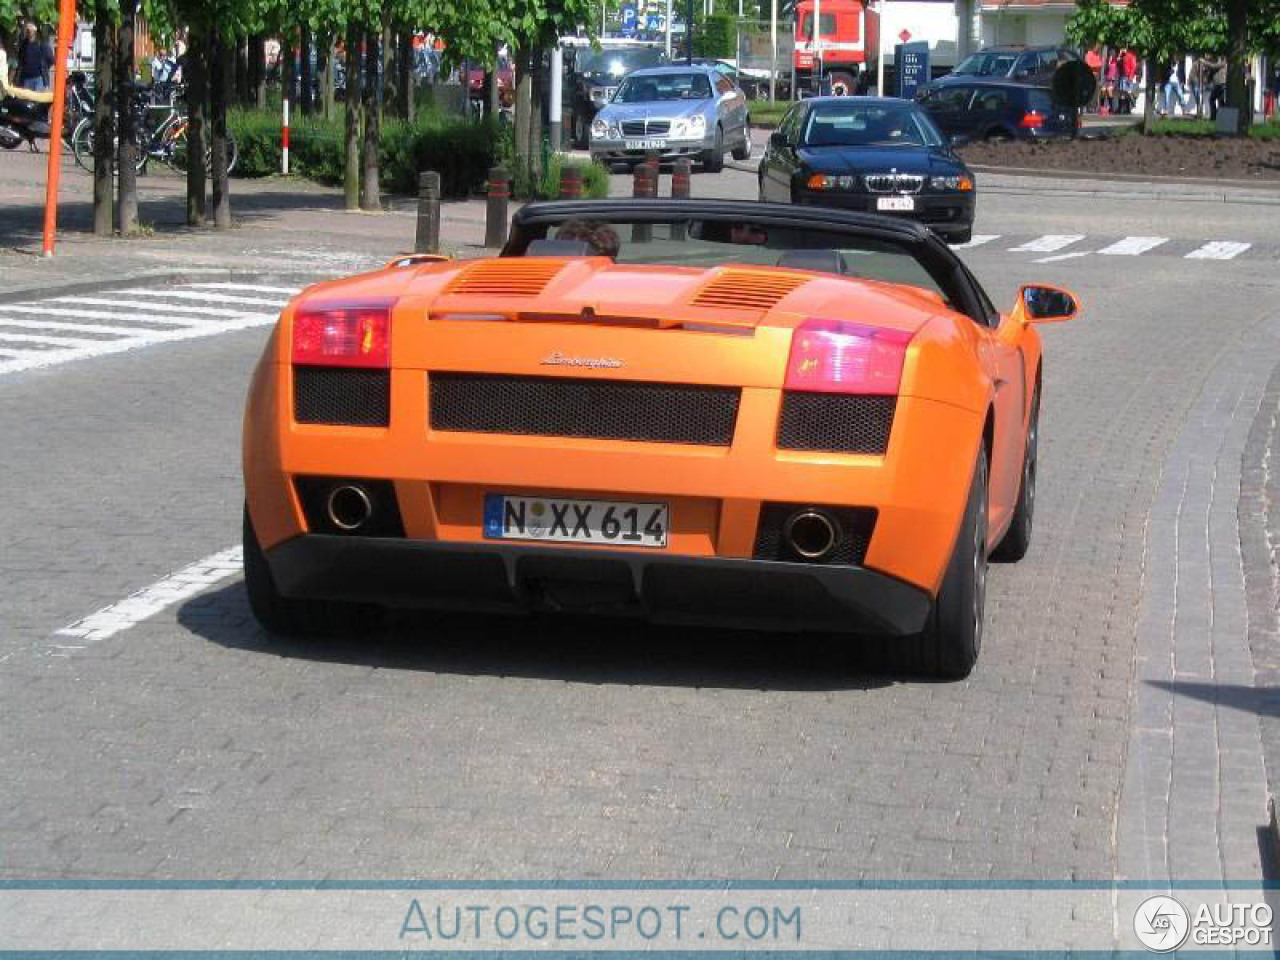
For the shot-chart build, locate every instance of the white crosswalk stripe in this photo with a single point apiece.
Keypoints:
(42, 333)
(1219, 250)
(977, 240)
(1133, 246)
(1049, 243)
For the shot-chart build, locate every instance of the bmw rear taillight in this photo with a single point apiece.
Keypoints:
(354, 336)
(1032, 120)
(835, 356)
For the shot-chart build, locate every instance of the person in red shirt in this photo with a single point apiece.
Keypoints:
(1128, 80)
(1093, 60)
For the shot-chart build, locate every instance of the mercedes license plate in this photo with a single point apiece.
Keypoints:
(895, 203)
(561, 520)
(646, 144)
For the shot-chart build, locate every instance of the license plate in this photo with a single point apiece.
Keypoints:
(558, 520)
(646, 144)
(895, 203)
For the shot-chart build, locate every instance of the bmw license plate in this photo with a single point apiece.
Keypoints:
(559, 520)
(895, 203)
(646, 144)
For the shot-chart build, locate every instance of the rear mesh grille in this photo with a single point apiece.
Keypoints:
(506, 277)
(599, 409)
(856, 526)
(358, 398)
(745, 290)
(836, 422)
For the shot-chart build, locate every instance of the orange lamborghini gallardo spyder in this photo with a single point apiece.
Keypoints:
(779, 417)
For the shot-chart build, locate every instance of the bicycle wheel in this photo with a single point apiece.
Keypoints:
(82, 144)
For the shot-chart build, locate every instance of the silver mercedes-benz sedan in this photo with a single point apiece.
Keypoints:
(675, 111)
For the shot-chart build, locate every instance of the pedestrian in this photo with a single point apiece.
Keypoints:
(1128, 80)
(34, 60)
(1110, 77)
(1093, 60)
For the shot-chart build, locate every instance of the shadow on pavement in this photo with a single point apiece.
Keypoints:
(569, 649)
(1262, 701)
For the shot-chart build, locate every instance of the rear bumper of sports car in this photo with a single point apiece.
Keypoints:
(663, 588)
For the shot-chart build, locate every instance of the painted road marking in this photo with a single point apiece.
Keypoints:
(1133, 246)
(247, 288)
(978, 240)
(196, 295)
(65, 328)
(1219, 250)
(1063, 256)
(147, 602)
(1049, 243)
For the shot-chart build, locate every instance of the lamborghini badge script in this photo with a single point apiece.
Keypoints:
(558, 359)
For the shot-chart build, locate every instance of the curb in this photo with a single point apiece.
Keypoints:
(1270, 191)
(159, 277)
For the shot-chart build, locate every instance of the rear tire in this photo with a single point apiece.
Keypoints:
(1018, 537)
(843, 84)
(960, 236)
(952, 638)
(289, 617)
(713, 159)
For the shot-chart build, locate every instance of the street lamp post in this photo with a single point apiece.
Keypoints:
(688, 33)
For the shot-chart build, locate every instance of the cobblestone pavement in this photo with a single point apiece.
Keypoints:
(191, 745)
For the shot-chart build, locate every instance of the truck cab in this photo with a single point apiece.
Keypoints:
(848, 36)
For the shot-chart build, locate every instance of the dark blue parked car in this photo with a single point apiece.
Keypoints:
(995, 110)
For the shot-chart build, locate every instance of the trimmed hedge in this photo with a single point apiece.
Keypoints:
(460, 151)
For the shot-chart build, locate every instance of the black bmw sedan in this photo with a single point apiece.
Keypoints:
(877, 154)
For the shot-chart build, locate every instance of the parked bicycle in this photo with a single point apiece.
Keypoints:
(161, 129)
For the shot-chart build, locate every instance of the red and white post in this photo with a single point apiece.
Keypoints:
(284, 138)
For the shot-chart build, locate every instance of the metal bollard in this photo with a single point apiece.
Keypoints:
(498, 193)
(428, 238)
(644, 185)
(570, 183)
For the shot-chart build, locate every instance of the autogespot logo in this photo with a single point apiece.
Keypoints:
(1161, 923)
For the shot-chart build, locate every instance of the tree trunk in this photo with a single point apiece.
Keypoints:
(245, 95)
(1149, 101)
(384, 79)
(220, 68)
(197, 76)
(535, 115)
(324, 76)
(104, 42)
(305, 101)
(524, 97)
(1237, 61)
(351, 172)
(258, 71)
(369, 199)
(126, 147)
(288, 66)
(404, 70)
(493, 93)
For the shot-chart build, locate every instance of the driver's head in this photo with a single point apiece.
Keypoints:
(600, 237)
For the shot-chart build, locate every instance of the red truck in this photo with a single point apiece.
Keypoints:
(850, 37)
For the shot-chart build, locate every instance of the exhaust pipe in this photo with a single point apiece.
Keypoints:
(812, 534)
(349, 507)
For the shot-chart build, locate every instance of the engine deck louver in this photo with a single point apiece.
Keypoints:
(506, 277)
(747, 290)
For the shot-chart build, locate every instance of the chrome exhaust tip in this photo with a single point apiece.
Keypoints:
(348, 507)
(811, 534)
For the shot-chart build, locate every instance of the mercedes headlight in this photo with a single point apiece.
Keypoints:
(598, 94)
(963, 184)
(599, 128)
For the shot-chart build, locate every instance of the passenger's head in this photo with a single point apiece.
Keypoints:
(600, 237)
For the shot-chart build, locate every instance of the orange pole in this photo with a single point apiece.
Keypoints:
(66, 23)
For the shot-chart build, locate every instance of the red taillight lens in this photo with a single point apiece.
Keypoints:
(343, 336)
(834, 356)
(1032, 120)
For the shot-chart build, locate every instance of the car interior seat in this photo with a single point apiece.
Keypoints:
(819, 261)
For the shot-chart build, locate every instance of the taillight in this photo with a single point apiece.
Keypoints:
(834, 356)
(1032, 120)
(355, 336)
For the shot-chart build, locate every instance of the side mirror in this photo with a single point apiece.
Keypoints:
(1044, 304)
(778, 140)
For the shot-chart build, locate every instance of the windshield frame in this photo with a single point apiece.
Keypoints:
(930, 136)
(535, 220)
(631, 80)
